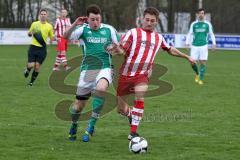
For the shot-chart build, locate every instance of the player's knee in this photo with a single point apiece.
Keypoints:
(120, 109)
(37, 67)
(101, 90)
(102, 85)
(31, 65)
(100, 93)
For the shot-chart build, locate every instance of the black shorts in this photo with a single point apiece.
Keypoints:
(36, 54)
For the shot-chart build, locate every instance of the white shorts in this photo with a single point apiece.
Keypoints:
(89, 78)
(199, 52)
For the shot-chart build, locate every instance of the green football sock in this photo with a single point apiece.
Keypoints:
(195, 68)
(97, 107)
(75, 115)
(202, 71)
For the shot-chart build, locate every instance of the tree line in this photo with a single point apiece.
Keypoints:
(122, 13)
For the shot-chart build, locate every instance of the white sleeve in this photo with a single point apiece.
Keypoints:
(76, 34)
(212, 34)
(189, 35)
(114, 35)
(164, 44)
(127, 40)
(126, 37)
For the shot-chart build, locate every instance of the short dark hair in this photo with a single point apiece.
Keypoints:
(151, 11)
(201, 9)
(43, 10)
(95, 9)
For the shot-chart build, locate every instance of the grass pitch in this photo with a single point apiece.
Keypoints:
(191, 122)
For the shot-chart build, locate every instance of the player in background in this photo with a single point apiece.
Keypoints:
(96, 71)
(61, 24)
(140, 46)
(40, 31)
(200, 30)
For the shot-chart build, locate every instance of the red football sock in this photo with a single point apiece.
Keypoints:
(137, 114)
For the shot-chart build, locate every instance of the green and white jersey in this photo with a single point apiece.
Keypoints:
(94, 43)
(200, 30)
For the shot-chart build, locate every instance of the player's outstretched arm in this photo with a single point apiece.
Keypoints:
(115, 49)
(175, 52)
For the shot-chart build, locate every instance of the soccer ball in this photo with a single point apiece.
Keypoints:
(138, 145)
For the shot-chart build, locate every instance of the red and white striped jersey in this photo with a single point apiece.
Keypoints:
(61, 25)
(141, 48)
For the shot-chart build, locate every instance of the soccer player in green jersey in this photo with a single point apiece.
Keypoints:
(96, 71)
(40, 31)
(200, 30)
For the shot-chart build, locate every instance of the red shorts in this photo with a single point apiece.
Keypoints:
(62, 44)
(126, 84)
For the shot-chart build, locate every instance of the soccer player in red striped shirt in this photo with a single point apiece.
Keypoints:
(62, 23)
(140, 46)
